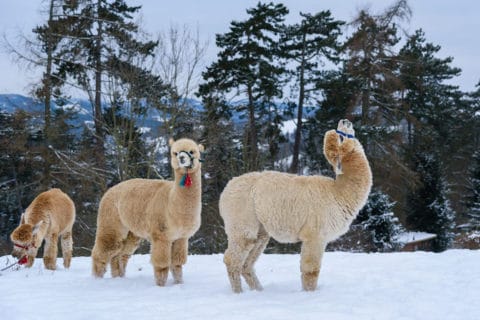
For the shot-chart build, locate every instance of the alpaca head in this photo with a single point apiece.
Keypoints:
(23, 238)
(341, 148)
(185, 154)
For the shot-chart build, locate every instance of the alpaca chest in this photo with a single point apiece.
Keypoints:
(184, 225)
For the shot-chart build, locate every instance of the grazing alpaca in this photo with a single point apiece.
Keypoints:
(50, 215)
(167, 213)
(291, 208)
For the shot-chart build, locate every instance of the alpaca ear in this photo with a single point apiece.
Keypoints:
(36, 227)
(22, 218)
(201, 148)
(170, 141)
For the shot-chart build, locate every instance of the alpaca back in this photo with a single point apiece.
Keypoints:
(52, 206)
(134, 205)
(283, 203)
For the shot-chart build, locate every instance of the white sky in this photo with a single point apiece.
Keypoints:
(451, 24)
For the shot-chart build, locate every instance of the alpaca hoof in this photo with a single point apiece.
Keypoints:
(177, 274)
(235, 282)
(99, 269)
(161, 275)
(50, 263)
(66, 263)
(309, 280)
(50, 266)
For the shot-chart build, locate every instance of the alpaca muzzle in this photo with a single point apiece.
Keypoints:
(185, 159)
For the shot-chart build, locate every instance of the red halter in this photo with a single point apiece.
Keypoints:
(23, 247)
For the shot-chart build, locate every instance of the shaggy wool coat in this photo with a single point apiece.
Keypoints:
(312, 209)
(50, 215)
(166, 213)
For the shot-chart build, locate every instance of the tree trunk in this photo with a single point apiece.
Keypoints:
(251, 160)
(47, 95)
(100, 152)
(301, 97)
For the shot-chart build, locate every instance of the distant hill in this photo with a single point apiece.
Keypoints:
(148, 125)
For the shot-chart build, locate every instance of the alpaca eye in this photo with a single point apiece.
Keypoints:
(192, 152)
(175, 154)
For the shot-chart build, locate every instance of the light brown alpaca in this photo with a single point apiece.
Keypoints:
(164, 212)
(291, 208)
(50, 215)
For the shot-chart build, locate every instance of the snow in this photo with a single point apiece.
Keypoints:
(411, 236)
(417, 285)
(288, 127)
(144, 130)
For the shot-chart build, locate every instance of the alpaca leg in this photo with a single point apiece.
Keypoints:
(30, 260)
(115, 266)
(235, 257)
(161, 255)
(50, 251)
(311, 256)
(130, 244)
(119, 262)
(67, 248)
(179, 258)
(107, 245)
(248, 271)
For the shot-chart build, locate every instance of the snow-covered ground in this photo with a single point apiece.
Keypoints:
(354, 286)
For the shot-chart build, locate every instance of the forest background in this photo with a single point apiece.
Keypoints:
(109, 96)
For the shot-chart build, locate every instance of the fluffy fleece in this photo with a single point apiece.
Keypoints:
(291, 208)
(164, 212)
(50, 215)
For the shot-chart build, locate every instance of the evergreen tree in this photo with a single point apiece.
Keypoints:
(20, 169)
(339, 91)
(247, 65)
(221, 163)
(377, 217)
(472, 196)
(308, 44)
(428, 208)
(372, 62)
(104, 42)
(439, 118)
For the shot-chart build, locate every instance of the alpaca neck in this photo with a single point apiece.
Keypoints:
(354, 184)
(188, 195)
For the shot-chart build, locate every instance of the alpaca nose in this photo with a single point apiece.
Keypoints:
(16, 254)
(182, 159)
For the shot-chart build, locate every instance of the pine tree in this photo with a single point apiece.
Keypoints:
(222, 163)
(372, 62)
(428, 208)
(377, 217)
(472, 196)
(309, 44)
(247, 65)
(339, 91)
(104, 43)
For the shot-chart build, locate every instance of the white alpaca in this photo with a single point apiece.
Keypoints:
(314, 210)
(167, 213)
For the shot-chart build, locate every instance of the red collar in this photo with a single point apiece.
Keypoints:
(23, 247)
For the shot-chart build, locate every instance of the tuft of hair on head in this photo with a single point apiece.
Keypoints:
(171, 141)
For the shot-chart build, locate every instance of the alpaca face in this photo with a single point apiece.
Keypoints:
(21, 237)
(185, 154)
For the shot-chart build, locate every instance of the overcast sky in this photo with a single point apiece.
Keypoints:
(454, 25)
